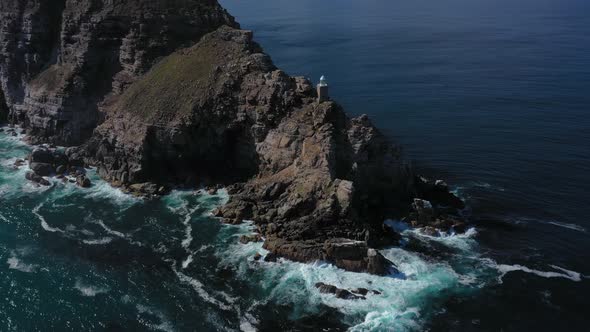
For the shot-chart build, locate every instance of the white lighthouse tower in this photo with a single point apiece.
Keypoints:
(323, 90)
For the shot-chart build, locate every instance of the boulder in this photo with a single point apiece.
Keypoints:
(61, 169)
(83, 181)
(146, 188)
(338, 292)
(31, 176)
(429, 230)
(41, 155)
(245, 239)
(270, 257)
(42, 169)
(424, 210)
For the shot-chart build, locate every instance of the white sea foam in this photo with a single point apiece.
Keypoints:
(505, 269)
(187, 261)
(568, 226)
(247, 323)
(101, 241)
(117, 233)
(200, 289)
(15, 263)
(188, 237)
(164, 325)
(394, 309)
(44, 223)
(103, 190)
(89, 290)
(4, 219)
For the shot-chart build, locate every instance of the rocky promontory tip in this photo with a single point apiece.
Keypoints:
(317, 184)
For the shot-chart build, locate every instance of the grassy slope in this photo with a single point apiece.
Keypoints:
(173, 87)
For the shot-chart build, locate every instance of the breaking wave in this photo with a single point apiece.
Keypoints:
(566, 274)
(89, 290)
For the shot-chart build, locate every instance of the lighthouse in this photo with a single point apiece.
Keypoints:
(323, 90)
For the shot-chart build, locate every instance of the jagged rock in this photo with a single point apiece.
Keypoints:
(346, 254)
(61, 169)
(429, 230)
(83, 181)
(245, 239)
(42, 169)
(424, 210)
(41, 155)
(339, 292)
(270, 257)
(438, 193)
(31, 176)
(459, 227)
(257, 256)
(19, 162)
(146, 188)
(441, 185)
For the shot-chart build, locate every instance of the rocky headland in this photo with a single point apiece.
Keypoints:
(162, 94)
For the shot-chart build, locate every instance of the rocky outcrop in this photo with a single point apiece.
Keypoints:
(436, 209)
(353, 294)
(45, 162)
(61, 60)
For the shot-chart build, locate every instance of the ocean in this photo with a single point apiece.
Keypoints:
(489, 95)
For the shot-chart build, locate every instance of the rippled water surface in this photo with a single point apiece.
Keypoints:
(490, 95)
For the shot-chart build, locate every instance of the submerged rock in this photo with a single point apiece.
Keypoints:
(36, 178)
(341, 293)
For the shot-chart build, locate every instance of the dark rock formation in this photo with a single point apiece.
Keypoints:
(3, 108)
(42, 169)
(83, 181)
(45, 161)
(59, 60)
(353, 294)
(436, 209)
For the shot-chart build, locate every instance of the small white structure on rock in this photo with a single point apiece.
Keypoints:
(323, 90)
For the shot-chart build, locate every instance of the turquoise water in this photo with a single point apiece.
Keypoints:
(96, 259)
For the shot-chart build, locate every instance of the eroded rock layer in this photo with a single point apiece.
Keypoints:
(60, 59)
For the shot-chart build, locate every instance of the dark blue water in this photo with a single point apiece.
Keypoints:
(492, 95)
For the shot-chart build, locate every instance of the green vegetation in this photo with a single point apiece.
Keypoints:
(174, 86)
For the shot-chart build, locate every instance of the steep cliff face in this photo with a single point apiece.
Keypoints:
(60, 59)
